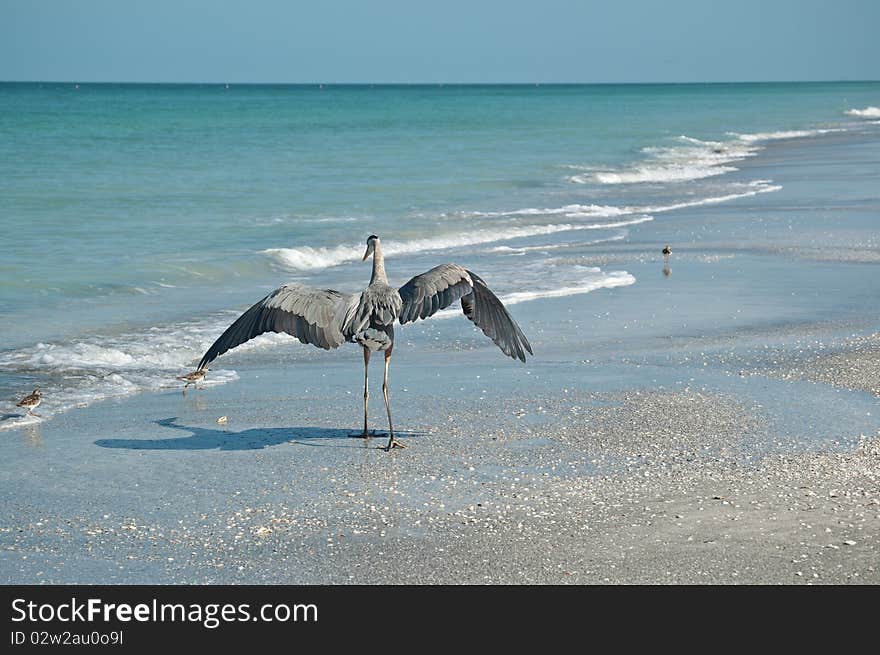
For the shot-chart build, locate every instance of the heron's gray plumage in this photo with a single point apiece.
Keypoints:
(437, 289)
(379, 304)
(428, 293)
(489, 314)
(328, 318)
(322, 317)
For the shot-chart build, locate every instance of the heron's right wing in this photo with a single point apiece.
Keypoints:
(315, 316)
(433, 290)
(426, 294)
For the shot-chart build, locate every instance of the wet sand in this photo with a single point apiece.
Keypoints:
(690, 483)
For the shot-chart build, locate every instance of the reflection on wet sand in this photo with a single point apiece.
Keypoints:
(33, 436)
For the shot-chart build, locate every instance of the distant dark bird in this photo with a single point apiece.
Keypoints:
(31, 401)
(328, 318)
(193, 378)
(666, 252)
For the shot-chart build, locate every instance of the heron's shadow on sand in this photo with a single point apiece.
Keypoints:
(252, 439)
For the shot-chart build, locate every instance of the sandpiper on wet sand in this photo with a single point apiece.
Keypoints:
(193, 378)
(31, 401)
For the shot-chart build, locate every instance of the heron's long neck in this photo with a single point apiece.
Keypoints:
(378, 266)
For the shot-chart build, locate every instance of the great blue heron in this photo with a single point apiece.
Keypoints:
(31, 401)
(328, 318)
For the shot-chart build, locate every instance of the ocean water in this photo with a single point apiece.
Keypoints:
(139, 220)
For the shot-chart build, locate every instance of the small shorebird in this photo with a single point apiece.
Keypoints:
(31, 401)
(666, 252)
(192, 378)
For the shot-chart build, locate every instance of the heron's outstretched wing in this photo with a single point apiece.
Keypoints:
(428, 293)
(316, 316)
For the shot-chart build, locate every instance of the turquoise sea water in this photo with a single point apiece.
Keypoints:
(139, 219)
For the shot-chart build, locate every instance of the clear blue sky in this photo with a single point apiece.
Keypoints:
(439, 41)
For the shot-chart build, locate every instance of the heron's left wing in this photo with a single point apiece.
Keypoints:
(426, 294)
(317, 316)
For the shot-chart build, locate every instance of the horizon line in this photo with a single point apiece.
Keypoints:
(385, 83)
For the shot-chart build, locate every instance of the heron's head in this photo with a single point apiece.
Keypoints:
(372, 242)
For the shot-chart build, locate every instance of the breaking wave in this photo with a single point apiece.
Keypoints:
(81, 372)
(309, 258)
(593, 280)
(693, 159)
(604, 281)
(784, 134)
(867, 112)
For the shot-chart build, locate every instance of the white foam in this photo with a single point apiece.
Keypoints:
(594, 211)
(607, 281)
(784, 134)
(81, 372)
(594, 280)
(750, 189)
(84, 389)
(756, 187)
(867, 112)
(602, 226)
(308, 258)
(700, 142)
(554, 246)
(683, 173)
(296, 218)
(694, 160)
(90, 355)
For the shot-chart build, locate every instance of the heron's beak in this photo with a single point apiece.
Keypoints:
(366, 254)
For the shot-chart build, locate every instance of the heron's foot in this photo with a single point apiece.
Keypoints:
(393, 443)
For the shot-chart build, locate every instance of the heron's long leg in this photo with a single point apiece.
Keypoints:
(365, 434)
(366, 386)
(392, 442)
